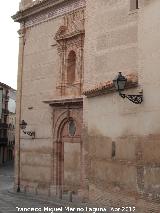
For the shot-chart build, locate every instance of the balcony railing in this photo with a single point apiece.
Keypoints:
(6, 97)
(3, 141)
(3, 126)
(5, 111)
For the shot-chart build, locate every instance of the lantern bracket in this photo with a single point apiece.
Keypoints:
(136, 99)
(23, 126)
(120, 82)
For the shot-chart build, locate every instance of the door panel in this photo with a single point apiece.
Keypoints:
(72, 166)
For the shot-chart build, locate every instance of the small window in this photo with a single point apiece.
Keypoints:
(133, 4)
(113, 149)
(71, 67)
(71, 128)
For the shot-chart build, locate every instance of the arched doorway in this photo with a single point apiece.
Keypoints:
(67, 153)
(68, 149)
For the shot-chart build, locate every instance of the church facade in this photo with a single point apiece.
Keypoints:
(75, 135)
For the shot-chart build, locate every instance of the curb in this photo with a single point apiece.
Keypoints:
(53, 200)
(58, 202)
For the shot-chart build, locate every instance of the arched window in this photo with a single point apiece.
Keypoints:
(71, 67)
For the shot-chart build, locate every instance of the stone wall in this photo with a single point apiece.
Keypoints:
(39, 165)
(40, 73)
(123, 137)
(120, 140)
(111, 40)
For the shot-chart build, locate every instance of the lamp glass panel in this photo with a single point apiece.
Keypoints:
(23, 124)
(121, 84)
(115, 82)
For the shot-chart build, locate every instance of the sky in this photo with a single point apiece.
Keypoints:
(9, 42)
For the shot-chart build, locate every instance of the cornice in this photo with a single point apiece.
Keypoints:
(68, 36)
(21, 15)
(108, 87)
(2, 85)
(65, 101)
(39, 8)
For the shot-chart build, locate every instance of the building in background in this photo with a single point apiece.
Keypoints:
(11, 121)
(7, 122)
(88, 140)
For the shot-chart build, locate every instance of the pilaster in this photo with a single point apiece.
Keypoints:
(21, 33)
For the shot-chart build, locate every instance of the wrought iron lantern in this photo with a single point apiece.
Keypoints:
(23, 126)
(120, 83)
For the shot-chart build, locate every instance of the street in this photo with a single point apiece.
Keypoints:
(14, 202)
(20, 202)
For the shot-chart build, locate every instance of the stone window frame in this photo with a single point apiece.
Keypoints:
(71, 61)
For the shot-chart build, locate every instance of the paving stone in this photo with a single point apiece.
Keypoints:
(9, 200)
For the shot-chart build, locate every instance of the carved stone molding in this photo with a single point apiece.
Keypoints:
(73, 26)
(47, 10)
(21, 32)
(70, 37)
(65, 102)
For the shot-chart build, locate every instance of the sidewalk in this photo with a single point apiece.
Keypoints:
(54, 200)
(9, 199)
(6, 176)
